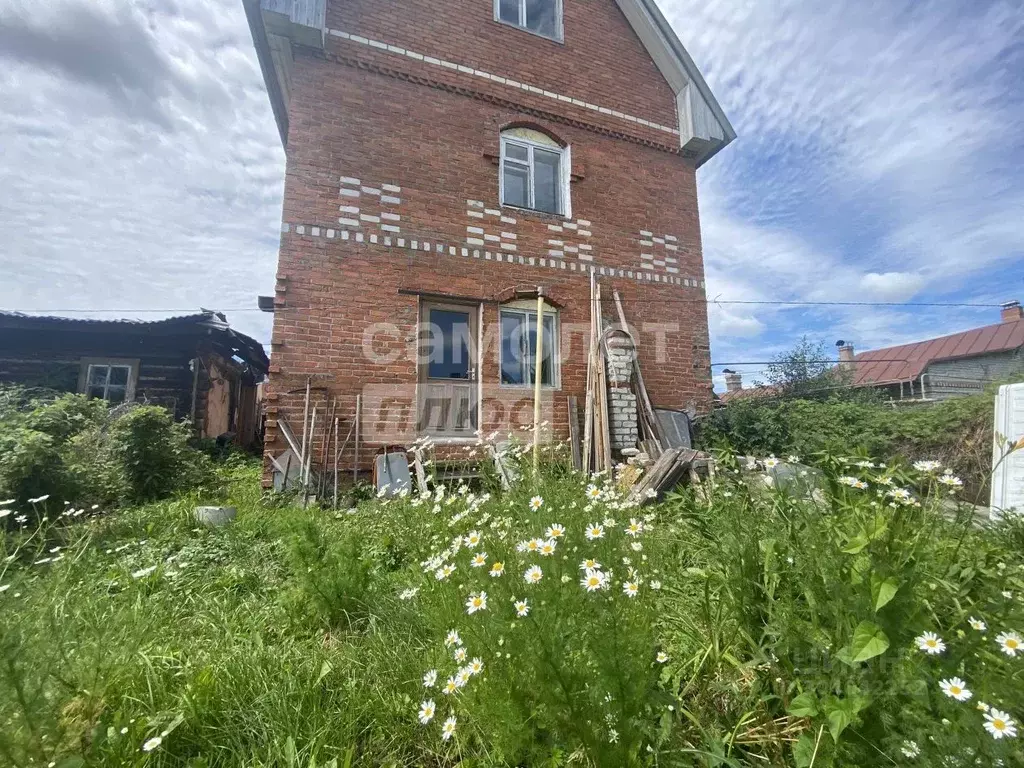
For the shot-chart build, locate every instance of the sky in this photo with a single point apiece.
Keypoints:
(879, 159)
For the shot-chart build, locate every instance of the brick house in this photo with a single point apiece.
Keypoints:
(447, 160)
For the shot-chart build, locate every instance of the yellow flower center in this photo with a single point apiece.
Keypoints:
(955, 690)
(1011, 643)
(930, 643)
(999, 725)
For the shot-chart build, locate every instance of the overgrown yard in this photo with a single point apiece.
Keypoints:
(551, 624)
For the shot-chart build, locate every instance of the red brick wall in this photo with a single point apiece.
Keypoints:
(601, 59)
(361, 113)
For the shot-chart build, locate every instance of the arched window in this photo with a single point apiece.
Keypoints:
(534, 171)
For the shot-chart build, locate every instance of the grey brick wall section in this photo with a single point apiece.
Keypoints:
(946, 379)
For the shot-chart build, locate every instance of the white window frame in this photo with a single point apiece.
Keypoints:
(89, 363)
(564, 173)
(558, 37)
(526, 314)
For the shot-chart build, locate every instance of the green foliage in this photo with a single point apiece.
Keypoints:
(956, 432)
(807, 369)
(300, 637)
(71, 447)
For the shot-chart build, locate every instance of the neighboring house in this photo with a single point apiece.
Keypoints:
(196, 366)
(448, 158)
(950, 366)
(734, 389)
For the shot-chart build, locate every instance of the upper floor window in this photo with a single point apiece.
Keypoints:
(534, 171)
(542, 17)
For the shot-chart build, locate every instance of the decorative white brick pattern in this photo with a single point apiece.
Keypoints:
(490, 231)
(658, 253)
(499, 79)
(353, 189)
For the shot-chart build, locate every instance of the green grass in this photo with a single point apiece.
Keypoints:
(281, 640)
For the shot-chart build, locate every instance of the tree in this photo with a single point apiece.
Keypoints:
(807, 369)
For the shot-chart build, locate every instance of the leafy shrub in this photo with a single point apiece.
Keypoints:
(71, 447)
(957, 432)
(30, 464)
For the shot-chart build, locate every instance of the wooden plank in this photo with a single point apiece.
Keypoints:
(421, 475)
(588, 417)
(574, 433)
(602, 394)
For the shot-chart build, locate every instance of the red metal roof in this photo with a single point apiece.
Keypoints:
(908, 361)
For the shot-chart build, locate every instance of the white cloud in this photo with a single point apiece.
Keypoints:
(890, 286)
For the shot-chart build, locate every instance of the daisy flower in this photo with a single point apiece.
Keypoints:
(853, 482)
(910, 749)
(955, 688)
(793, 459)
(771, 462)
(1011, 643)
(547, 548)
(452, 638)
(533, 574)
(533, 545)
(448, 729)
(450, 687)
(999, 724)
(430, 679)
(476, 602)
(590, 565)
(497, 569)
(930, 643)
(462, 677)
(156, 741)
(594, 531)
(593, 492)
(927, 466)
(951, 480)
(536, 503)
(630, 589)
(593, 580)
(655, 584)
(900, 494)
(555, 531)
(522, 608)
(977, 624)
(635, 527)
(473, 538)
(479, 560)
(662, 657)
(444, 571)
(476, 666)
(981, 706)
(427, 710)
(460, 654)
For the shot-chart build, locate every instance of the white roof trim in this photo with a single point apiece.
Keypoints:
(703, 125)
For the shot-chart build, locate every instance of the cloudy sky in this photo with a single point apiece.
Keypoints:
(879, 159)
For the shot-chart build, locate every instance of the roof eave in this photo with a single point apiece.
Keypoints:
(692, 70)
(254, 15)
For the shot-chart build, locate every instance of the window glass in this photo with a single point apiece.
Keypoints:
(546, 167)
(98, 375)
(519, 348)
(118, 375)
(517, 152)
(116, 394)
(449, 345)
(541, 17)
(512, 357)
(508, 10)
(517, 185)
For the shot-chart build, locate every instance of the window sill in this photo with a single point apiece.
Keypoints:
(529, 387)
(534, 212)
(559, 40)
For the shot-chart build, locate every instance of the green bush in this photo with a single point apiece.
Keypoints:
(73, 448)
(955, 432)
